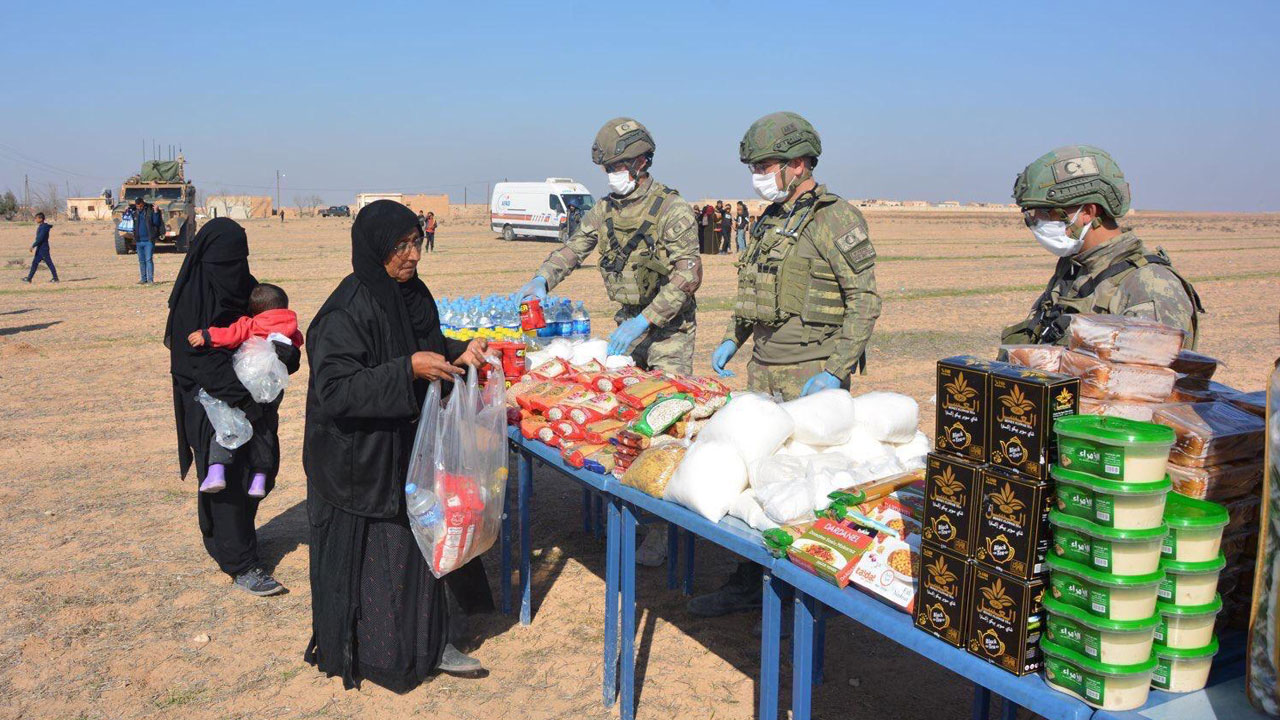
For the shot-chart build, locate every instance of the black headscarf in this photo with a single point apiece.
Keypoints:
(408, 305)
(212, 289)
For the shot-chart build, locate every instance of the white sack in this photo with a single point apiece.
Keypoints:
(533, 359)
(747, 509)
(777, 469)
(588, 350)
(709, 479)
(823, 418)
(558, 348)
(862, 446)
(890, 417)
(754, 425)
(912, 454)
(829, 472)
(613, 362)
(796, 448)
(787, 503)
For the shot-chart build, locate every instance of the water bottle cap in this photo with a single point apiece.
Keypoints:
(410, 488)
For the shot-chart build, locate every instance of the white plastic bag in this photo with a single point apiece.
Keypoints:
(798, 449)
(230, 426)
(709, 479)
(912, 454)
(889, 417)
(823, 418)
(457, 479)
(752, 424)
(588, 350)
(861, 447)
(747, 509)
(260, 370)
(613, 362)
(777, 469)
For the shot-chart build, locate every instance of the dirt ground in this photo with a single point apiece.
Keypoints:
(112, 609)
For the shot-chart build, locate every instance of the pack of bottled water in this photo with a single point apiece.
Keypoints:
(497, 317)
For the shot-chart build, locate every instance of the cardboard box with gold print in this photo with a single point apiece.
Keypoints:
(1006, 620)
(962, 392)
(1023, 403)
(942, 603)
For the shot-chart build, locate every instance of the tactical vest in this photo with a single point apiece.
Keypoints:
(1049, 320)
(634, 269)
(775, 283)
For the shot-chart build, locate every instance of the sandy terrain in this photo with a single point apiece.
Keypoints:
(112, 609)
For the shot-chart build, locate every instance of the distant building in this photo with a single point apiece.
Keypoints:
(238, 207)
(915, 203)
(949, 204)
(88, 208)
(438, 204)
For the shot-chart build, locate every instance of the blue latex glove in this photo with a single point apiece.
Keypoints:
(621, 340)
(822, 381)
(535, 288)
(721, 357)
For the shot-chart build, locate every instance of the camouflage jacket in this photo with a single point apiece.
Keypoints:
(1120, 277)
(661, 273)
(835, 257)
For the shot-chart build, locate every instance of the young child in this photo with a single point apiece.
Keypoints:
(271, 319)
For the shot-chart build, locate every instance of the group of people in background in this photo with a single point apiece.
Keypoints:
(720, 224)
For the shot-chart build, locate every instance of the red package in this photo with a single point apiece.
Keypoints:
(567, 430)
(548, 436)
(463, 510)
(602, 431)
(595, 407)
(560, 411)
(626, 413)
(553, 395)
(583, 374)
(530, 426)
(611, 380)
(531, 317)
(575, 454)
(642, 394)
(699, 387)
(552, 369)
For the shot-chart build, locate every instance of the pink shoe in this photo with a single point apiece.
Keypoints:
(258, 487)
(215, 480)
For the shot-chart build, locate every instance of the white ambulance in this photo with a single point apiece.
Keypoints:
(551, 208)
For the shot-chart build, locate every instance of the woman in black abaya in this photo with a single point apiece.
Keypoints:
(377, 611)
(212, 288)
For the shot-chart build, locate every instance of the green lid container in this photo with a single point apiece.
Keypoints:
(1117, 431)
(1111, 503)
(1190, 583)
(1185, 624)
(1121, 642)
(1187, 611)
(1181, 511)
(1182, 669)
(1099, 684)
(1114, 597)
(1207, 651)
(1121, 552)
(1114, 448)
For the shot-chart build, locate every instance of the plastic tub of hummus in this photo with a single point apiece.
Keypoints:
(1114, 448)
(1182, 671)
(1111, 503)
(1195, 529)
(1190, 584)
(1102, 685)
(1113, 597)
(1119, 552)
(1115, 642)
(1186, 627)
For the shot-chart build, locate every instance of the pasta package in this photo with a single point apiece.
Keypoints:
(1130, 410)
(652, 469)
(1191, 364)
(1104, 380)
(1039, 357)
(1122, 339)
(576, 395)
(1217, 482)
(642, 394)
(1211, 433)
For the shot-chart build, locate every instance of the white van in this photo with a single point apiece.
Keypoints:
(538, 209)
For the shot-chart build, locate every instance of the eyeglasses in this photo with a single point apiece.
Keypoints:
(762, 167)
(1033, 215)
(403, 246)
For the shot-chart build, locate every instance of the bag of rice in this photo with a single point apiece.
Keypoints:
(752, 424)
(823, 418)
(890, 417)
(709, 478)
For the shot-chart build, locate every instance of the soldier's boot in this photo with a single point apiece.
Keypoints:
(739, 594)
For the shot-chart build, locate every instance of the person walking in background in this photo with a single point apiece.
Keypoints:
(707, 228)
(147, 227)
(40, 249)
(726, 228)
(742, 222)
(429, 232)
(422, 223)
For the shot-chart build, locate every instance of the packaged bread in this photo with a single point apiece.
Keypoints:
(1127, 409)
(653, 468)
(1104, 380)
(1191, 364)
(1217, 482)
(1039, 357)
(1211, 433)
(1124, 339)
(1254, 403)
(1243, 513)
(1183, 393)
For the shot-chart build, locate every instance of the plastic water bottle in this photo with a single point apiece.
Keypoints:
(581, 322)
(565, 318)
(421, 506)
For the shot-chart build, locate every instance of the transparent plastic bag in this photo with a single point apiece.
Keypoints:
(260, 370)
(457, 480)
(230, 426)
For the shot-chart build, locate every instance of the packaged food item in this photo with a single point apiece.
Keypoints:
(1105, 380)
(631, 438)
(1024, 406)
(565, 405)
(601, 461)
(753, 424)
(1183, 670)
(662, 414)
(778, 540)
(829, 550)
(531, 317)
(747, 509)
(1211, 433)
(887, 486)
(512, 355)
(709, 479)
(961, 421)
(640, 395)
(1244, 515)
(943, 599)
(530, 427)
(1127, 409)
(824, 418)
(1187, 627)
(893, 516)
(1006, 620)
(591, 352)
(602, 431)
(699, 387)
(566, 429)
(544, 397)
(1190, 583)
(552, 369)
(1240, 548)
(1191, 364)
(887, 571)
(1013, 524)
(653, 468)
(1217, 482)
(1108, 687)
(1254, 403)
(1110, 503)
(1037, 357)
(1120, 552)
(952, 488)
(1195, 529)
(575, 453)
(1190, 395)
(1114, 642)
(1114, 597)
(890, 417)
(1125, 339)
(593, 407)
(1114, 448)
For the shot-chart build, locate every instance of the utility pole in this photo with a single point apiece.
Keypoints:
(464, 196)
(279, 207)
(26, 196)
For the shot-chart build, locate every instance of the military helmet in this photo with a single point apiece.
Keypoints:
(781, 135)
(621, 138)
(1070, 176)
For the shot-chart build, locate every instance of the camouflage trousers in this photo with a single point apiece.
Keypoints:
(785, 381)
(668, 348)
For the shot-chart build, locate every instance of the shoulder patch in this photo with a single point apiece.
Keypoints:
(856, 248)
(681, 224)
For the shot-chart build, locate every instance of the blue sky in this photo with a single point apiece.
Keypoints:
(931, 101)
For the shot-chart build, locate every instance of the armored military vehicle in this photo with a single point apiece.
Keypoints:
(162, 183)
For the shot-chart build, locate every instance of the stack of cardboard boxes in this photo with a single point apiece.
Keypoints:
(987, 502)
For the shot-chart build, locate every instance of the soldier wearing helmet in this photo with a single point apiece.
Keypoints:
(806, 282)
(648, 253)
(1071, 199)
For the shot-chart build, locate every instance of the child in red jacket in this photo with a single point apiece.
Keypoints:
(270, 319)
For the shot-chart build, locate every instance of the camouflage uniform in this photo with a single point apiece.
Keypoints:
(656, 278)
(806, 292)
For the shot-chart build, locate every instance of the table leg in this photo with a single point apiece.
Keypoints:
(504, 582)
(611, 605)
(524, 476)
(673, 556)
(819, 643)
(599, 516)
(770, 642)
(688, 562)
(981, 703)
(586, 511)
(627, 568)
(802, 658)
(1009, 710)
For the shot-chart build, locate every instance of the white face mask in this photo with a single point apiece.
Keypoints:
(1052, 236)
(767, 187)
(621, 183)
